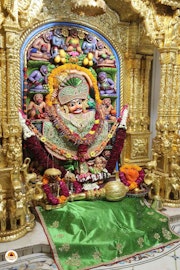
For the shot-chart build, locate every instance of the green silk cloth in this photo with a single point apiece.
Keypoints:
(87, 234)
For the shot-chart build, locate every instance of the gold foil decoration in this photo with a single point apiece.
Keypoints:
(88, 7)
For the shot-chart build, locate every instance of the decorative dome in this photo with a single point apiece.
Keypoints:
(88, 7)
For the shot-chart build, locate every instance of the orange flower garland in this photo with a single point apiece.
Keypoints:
(62, 72)
(131, 175)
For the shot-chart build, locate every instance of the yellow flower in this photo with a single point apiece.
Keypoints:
(96, 121)
(68, 155)
(133, 185)
(43, 139)
(92, 154)
(91, 132)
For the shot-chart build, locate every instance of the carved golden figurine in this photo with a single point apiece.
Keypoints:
(17, 207)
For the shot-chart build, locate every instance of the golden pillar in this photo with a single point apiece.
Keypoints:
(162, 24)
(167, 141)
(15, 190)
(138, 91)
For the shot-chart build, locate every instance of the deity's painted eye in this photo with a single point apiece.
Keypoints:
(79, 102)
(72, 104)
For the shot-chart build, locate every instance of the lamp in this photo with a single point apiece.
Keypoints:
(88, 7)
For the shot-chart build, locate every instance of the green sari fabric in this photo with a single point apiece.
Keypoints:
(86, 234)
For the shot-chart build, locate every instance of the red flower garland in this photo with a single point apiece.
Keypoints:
(38, 153)
(116, 150)
(63, 190)
(50, 197)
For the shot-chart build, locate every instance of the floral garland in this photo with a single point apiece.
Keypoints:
(63, 189)
(74, 137)
(131, 175)
(59, 71)
(68, 155)
(116, 150)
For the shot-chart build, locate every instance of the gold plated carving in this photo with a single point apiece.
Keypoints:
(89, 7)
(16, 197)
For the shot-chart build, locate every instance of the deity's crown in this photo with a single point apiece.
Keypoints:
(73, 86)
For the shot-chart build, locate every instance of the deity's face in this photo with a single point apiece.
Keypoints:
(90, 38)
(102, 76)
(75, 106)
(47, 36)
(44, 69)
(100, 45)
(58, 32)
(73, 33)
(107, 101)
(38, 98)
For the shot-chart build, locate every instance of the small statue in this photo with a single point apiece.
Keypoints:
(17, 207)
(99, 165)
(54, 187)
(73, 43)
(102, 56)
(57, 39)
(58, 47)
(41, 48)
(36, 108)
(105, 84)
(109, 111)
(89, 45)
(37, 78)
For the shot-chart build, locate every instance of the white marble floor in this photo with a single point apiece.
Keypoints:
(34, 252)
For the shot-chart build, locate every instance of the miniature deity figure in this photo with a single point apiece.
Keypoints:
(105, 84)
(37, 78)
(57, 39)
(103, 56)
(109, 111)
(58, 46)
(53, 176)
(99, 165)
(36, 108)
(89, 45)
(3, 214)
(41, 48)
(73, 43)
(106, 154)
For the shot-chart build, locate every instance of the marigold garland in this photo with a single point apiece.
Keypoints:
(53, 80)
(131, 175)
(40, 151)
